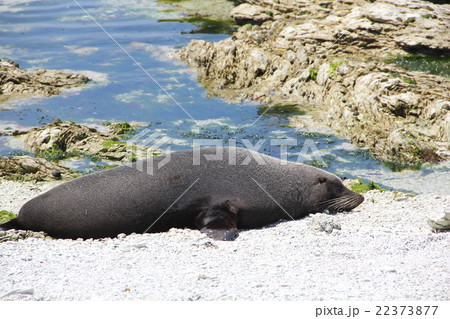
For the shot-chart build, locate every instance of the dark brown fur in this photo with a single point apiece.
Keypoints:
(218, 198)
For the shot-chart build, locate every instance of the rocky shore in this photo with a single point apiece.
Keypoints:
(17, 82)
(27, 168)
(61, 140)
(330, 58)
(58, 140)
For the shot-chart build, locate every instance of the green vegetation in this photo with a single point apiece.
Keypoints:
(333, 68)
(18, 153)
(397, 167)
(427, 16)
(18, 178)
(206, 25)
(6, 216)
(410, 20)
(318, 164)
(111, 143)
(205, 133)
(75, 171)
(360, 187)
(238, 131)
(126, 127)
(433, 64)
(103, 167)
(401, 194)
(409, 80)
(280, 110)
(119, 128)
(314, 135)
(416, 151)
(55, 154)
(92, 157)
(269, 13)
(313, 73)
(133, 157)
(91, 169)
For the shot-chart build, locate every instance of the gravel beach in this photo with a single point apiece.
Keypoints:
(384, 250)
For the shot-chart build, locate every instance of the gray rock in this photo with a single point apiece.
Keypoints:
(28, 291)
(32, 168)
(15, 235)
(440, 225)
(16, 82)
(324, 223)
(80, 139)
(247, 13)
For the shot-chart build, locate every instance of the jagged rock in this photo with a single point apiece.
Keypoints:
(78, 139)
(324, 223)
(120, 128)
(16, 82)
(16, 235)
(331, 59)
(440, 225)
(247, 13)
(31, 168)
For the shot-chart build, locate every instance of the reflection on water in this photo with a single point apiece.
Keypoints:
(59, 35)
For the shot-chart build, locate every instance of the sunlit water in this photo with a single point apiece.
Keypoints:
(59, 35)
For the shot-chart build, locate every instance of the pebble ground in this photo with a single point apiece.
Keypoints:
(384, 250)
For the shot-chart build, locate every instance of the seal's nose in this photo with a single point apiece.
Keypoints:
(354, 200)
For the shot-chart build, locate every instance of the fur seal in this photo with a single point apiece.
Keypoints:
(216, 190)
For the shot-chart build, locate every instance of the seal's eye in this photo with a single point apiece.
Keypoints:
(322, 180)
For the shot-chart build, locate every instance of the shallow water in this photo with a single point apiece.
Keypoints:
(59, 35)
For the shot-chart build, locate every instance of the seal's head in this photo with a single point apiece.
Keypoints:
(332, 196)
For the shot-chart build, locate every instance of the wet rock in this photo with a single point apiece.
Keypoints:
(27, 168)
(28, 291)
(16, 82)
(120, 128)
(247, 13)
(56, 174)
(78, 140)
(16, 235)
(324, 223)
(440, 225)
(331, 59)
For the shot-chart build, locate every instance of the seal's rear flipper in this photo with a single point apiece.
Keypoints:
(12, 224)
(219, 221)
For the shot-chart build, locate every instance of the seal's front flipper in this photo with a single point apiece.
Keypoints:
(219, 221)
